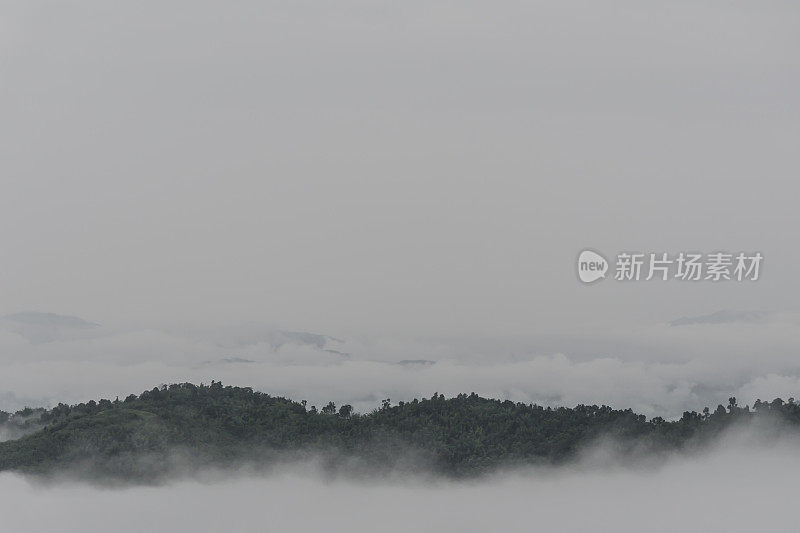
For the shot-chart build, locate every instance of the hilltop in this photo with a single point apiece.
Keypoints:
(141, 436)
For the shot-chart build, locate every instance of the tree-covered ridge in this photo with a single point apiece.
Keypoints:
(463, 435)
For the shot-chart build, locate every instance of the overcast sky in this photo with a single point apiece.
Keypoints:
(391, 165)
(375, 169)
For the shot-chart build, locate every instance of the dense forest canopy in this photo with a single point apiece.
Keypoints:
(463, 435)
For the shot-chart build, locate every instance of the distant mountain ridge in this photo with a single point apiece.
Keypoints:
(723, 316)
(49, 320)
(38, 327)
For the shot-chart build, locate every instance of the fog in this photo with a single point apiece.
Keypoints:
(658, 370)
(741, 485)
(413, 180)
(373, 199)
(385, 168)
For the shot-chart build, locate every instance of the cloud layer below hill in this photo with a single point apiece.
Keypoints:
(704, 493)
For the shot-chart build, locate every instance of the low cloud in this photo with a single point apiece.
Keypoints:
(690, 493)
(657, 370)
(720, 317)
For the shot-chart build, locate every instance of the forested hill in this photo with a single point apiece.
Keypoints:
(464, 435)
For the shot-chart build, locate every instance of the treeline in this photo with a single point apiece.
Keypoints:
(462, 435)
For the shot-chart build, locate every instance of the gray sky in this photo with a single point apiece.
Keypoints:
(397, 166)
(381, 169)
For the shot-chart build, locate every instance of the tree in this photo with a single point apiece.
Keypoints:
(732, 404)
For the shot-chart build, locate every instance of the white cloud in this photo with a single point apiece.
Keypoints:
(656, 371)
(701, 493)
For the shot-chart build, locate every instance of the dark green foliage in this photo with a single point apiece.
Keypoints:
(463, 435)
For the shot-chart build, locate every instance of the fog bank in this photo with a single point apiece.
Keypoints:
(702, 493)
(658, 370)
